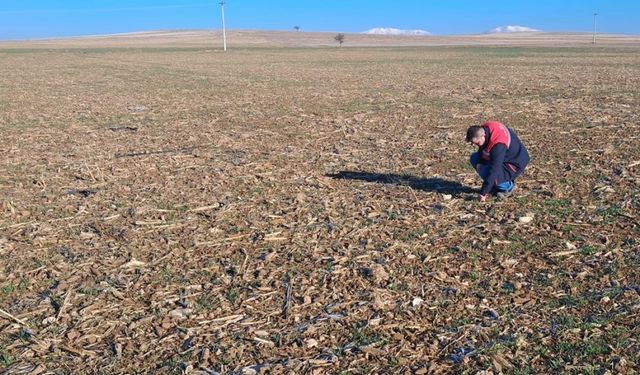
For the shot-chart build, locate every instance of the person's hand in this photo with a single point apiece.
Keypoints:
(483, 198)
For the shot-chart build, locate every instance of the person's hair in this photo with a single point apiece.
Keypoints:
(473, 132)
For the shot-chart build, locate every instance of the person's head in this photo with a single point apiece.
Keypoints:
(476, 135)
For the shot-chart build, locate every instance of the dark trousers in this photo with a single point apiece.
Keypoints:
(506, 175)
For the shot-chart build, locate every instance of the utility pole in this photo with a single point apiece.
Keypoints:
(594, 28)
(224, 32)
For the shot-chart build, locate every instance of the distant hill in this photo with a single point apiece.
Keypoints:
(260, 38)
(392, 31)
(514, 29)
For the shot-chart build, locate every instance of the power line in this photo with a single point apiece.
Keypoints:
(224, 32)
(594, 28)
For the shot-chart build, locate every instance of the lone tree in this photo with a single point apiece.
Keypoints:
(296, 28)
(339, 38)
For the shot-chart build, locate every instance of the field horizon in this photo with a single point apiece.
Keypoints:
(268, 38)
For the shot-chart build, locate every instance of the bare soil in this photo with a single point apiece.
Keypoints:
(171, 208)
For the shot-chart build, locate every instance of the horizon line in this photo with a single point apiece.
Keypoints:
(431, 35)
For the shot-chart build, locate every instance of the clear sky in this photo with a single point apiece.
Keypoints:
(26, 19)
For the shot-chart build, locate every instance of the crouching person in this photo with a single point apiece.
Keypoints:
(500, 159)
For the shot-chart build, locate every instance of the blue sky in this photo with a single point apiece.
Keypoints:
(26, 19)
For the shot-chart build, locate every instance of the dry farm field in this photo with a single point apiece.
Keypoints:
(171, 209)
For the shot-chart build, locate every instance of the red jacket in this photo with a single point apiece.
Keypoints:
(499, 134)
(504, 153)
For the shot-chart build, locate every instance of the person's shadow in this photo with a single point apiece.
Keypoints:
(434, 184)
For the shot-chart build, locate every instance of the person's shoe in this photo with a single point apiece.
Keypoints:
(502, 195)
